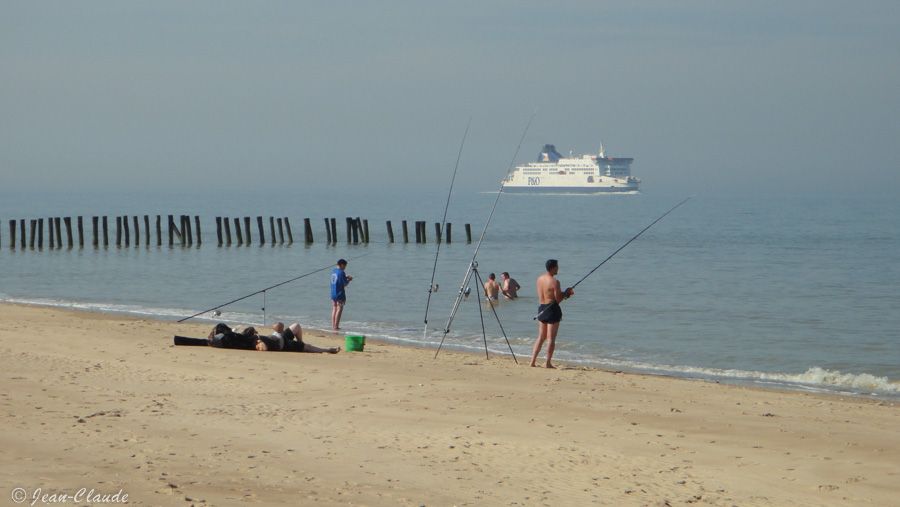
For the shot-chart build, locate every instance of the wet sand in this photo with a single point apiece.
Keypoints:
(107, 403)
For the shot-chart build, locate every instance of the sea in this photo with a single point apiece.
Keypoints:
(789, 291)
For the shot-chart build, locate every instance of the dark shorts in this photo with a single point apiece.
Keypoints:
(550, 313)
(291, 342)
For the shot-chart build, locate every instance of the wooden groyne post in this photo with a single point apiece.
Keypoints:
(307, 231)
(237, 231)
(262, 233)
(287, 225)
(56, 221)
(227, 225)
(68, 222)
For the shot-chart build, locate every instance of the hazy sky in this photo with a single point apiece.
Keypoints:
(796, 95)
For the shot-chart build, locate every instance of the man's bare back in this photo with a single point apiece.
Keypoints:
(548, 289)
(491, 289)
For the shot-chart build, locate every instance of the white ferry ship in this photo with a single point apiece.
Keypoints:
(590, 174)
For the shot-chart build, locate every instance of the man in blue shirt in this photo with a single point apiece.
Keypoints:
(339, 280)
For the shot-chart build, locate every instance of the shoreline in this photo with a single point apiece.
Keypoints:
(104, 401)
(860, 385)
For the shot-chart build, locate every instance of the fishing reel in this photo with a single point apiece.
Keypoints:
(467, 292)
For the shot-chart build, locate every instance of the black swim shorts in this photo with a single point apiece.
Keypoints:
(291, 342)
(550, 313)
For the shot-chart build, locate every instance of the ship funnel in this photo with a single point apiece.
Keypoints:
(549, 154)
(602, 155)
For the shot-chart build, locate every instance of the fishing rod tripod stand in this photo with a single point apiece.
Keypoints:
(464, 293)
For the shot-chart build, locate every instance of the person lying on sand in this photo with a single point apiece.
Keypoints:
(224, 337)
(289, 340)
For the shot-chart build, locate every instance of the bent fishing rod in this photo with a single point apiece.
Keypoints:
(621, 248)
(463, 291)
(431, 287)
(263, 291)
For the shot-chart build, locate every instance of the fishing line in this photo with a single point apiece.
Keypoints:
(474, 265)
(263, 291)
(443, 225)
(621, 247)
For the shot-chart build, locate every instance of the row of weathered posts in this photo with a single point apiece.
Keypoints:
(183, 231)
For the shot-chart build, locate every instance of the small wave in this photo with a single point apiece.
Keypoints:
(861, 381)
(815, 378)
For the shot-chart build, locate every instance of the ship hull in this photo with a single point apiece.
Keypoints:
(533, 189)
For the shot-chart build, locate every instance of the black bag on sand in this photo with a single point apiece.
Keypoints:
(191, 342)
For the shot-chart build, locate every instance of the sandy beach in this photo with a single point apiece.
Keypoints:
(106, 404)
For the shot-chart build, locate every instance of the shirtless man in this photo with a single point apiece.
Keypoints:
(510, 286)
(491, 288)
(549, 312)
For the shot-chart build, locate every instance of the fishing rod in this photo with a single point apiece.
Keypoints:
(263, 291)
(463, 291)
(621, 248)
(431, 287)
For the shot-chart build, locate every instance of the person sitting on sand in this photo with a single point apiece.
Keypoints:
(289, 340)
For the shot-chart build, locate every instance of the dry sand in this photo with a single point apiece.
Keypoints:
(107, 403)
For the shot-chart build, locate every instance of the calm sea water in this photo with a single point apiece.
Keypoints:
(798, 292)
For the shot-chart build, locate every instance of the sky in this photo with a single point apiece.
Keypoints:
(798, 96)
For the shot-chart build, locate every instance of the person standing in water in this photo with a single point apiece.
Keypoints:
(339, 280)
(491, 288)
(549, 312)
(510, 287)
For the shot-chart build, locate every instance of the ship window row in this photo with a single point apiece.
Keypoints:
(544, 171)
